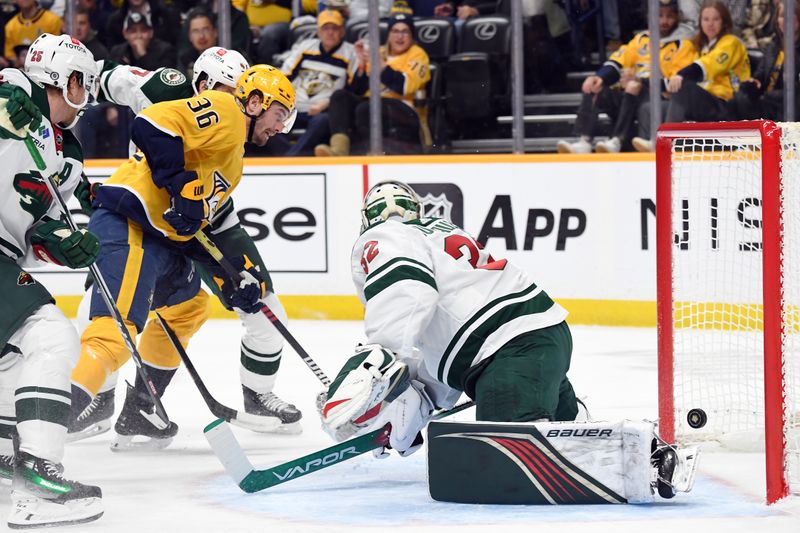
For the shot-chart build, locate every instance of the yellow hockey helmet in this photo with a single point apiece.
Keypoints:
(271, 84)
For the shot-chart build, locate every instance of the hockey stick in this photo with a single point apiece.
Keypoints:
(234, 274)
(160, 420)
(238, 418)
(239, 467)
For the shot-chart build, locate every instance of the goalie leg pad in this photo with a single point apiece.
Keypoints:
(369, 380)
(541, 462)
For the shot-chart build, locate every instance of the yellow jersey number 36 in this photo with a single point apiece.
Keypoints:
(204, 116)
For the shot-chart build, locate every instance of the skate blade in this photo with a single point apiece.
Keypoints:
(132, 443)
(286, 429)
(93, 430)
(683, 478)
(35, 512)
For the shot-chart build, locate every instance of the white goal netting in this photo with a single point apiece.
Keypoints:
(717, 293)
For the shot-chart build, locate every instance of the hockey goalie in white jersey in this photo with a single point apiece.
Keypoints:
(442, 317)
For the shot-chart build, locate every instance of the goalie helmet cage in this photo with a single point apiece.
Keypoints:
(728, 289)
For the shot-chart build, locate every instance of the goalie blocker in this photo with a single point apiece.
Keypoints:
(554, 463)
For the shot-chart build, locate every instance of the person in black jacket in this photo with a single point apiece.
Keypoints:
(141, 48)
(762, 95)
(164, 20)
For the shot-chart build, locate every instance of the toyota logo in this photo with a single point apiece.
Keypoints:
(486, 31)
(428, 34)
(363, 33)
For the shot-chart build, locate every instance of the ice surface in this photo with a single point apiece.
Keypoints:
(184, 488)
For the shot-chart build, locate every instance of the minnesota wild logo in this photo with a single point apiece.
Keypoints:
(34, 196)
(25, 279)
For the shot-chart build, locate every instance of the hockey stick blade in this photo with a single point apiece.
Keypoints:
(236, 464)
(245, 420)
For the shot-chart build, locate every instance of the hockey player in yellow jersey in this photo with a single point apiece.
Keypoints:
(620, 86)
(190, 161)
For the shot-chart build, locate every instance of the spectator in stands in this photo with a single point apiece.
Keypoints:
(762, 96)
(163, 19)
(546, 38)
(202, 33)
(758, 30)
(317, 68)
(8, 10)
(359, 10)
(141, 48)
(702, 90)
(269, 24)
(99, 13)
(83, 31)
(240, 28)
(630, 67)
(31, 21)
(690, 13)
(404, 68)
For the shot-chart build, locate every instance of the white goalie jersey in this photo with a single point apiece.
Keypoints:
(428, 285)
(24, 196)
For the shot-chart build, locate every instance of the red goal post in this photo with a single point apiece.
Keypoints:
(728, 289)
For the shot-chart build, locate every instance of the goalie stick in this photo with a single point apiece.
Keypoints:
(159, 417)
(238, 418)
(234, 274)
(239, 467)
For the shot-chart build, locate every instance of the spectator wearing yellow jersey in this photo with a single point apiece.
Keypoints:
(702, 91)
(404, 68)
(31, 21)
(620, 86)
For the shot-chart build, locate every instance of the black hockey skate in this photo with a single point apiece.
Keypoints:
(42, 496)
(136, 420)
(675, 469)
(94, 420)
(269, 404)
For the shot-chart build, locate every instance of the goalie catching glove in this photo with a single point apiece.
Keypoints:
(54, 242)
(368, 382)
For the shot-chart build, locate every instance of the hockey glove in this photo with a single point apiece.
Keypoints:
(85, 193)
(20, 111)
(54, 242)
(188, 208)
(369, 380)
(245, 293)
(409, 414)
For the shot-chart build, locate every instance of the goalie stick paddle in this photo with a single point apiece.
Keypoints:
(239, 467)
(160, 420)
(234, 274)
(245, 420)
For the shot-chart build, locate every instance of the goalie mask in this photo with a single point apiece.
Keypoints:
(52, 60)
(219, 65)
(389, 198)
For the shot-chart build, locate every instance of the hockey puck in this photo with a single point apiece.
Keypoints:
(696, 418)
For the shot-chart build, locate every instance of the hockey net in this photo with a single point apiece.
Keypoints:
(728, 217)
